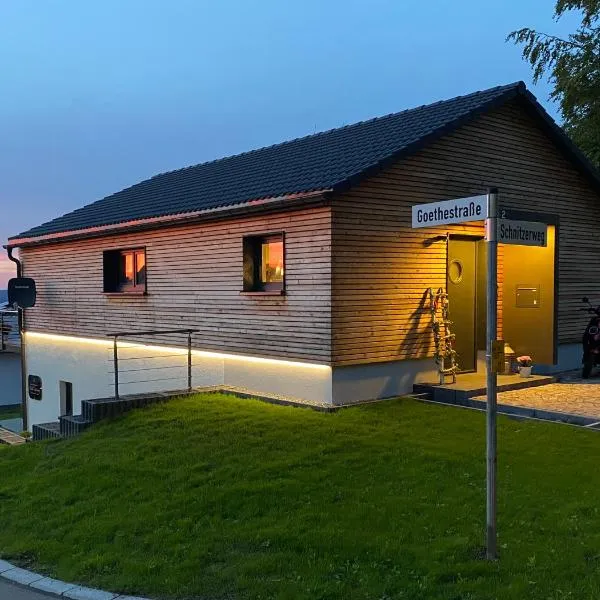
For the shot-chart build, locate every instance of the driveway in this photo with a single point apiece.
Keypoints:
(9, 591)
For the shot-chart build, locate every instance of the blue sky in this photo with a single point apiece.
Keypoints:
(98, 95)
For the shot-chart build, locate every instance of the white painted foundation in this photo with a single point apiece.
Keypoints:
(88, 364)
(360, 383)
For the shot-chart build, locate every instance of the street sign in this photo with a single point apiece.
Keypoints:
(522, 233)
(449, 211)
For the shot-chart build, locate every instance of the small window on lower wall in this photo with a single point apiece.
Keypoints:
(264, 263)
(125, 271)
(66, 398)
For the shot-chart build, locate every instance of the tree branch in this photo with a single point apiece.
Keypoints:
(556, 39)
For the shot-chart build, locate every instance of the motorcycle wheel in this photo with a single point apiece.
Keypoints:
(587, 369)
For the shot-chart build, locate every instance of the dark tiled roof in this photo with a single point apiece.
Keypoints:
(328, 160)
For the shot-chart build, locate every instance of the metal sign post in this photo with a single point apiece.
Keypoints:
(478, 208)
(491, 236)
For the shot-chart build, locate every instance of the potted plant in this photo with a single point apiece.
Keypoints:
(525, 364)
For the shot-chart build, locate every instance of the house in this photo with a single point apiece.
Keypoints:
(297, 267)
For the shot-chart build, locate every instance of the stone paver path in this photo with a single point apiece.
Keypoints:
(10, 438)
(575, 397)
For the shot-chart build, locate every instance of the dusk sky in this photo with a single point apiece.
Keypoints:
(98, 95)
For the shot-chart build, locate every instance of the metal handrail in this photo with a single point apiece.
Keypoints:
(153, 332)
(117, 335)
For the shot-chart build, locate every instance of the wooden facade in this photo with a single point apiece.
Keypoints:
(356, 273)
(195, 276)
(382, 267)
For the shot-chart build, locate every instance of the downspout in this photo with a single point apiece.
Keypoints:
(9, 251)
(20, 322)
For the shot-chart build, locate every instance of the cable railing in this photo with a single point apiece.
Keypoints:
(10, 340)
(151, 365)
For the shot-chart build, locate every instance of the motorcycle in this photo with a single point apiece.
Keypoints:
(591, 340)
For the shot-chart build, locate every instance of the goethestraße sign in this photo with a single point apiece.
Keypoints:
(523, 233)
(449, 211)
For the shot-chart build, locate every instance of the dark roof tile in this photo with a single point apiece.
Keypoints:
(331, 159)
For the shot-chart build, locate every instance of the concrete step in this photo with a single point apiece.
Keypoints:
(46, 431)
(102, 408)
(473, 384)
(73, 425)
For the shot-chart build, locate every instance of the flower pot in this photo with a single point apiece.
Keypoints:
(525, 371)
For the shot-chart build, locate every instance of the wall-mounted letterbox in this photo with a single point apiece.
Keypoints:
(528, 296)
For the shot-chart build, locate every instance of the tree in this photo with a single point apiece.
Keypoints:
(572, 65)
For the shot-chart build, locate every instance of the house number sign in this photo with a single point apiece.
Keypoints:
(34, 384)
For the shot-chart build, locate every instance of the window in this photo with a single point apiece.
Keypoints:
(264, 263)
(125, 271)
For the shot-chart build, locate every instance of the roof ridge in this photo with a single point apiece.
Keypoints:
(515, 84)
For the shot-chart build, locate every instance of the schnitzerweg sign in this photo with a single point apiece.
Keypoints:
(522, 233)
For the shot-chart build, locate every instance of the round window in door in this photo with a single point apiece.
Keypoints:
(455, 271)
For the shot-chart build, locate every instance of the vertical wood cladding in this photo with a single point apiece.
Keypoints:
(382, 267)
(195, 276)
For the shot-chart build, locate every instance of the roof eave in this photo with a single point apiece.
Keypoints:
(288, 201)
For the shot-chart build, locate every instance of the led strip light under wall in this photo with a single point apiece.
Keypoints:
(108, 344)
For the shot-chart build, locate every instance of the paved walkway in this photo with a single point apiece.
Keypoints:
(10, 437)
(9, 591)
(575, 397)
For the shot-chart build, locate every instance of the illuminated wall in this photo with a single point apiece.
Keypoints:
(87, 364)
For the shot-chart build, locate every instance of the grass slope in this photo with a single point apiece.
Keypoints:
(217, 497)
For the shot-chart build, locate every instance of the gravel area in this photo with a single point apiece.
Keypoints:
(574, 396)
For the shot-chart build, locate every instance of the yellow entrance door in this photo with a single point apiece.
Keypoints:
(462, 290)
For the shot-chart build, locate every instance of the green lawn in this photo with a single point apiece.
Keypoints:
(216, 497)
